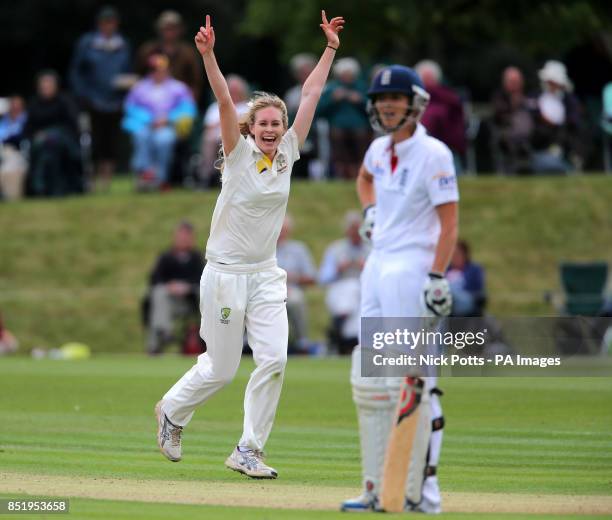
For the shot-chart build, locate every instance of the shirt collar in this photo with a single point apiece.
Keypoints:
(110, 44)
(255, 149)
(407, 144)
(251, 143)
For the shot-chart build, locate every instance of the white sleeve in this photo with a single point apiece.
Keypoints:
(368, 160)
(290, 139)
(239, 153)
(328, 272)
(308, 267)
(212, 115)
(441, 179)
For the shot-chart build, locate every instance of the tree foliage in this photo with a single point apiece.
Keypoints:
(404, 29)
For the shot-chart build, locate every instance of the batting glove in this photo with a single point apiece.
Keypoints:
(367, 226)
(437, 295)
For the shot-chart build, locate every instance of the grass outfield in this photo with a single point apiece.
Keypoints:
(75, 269)
(86, 430)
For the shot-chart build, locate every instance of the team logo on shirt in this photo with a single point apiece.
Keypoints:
(445, 180)
(281, 163)
(378, 168)
(225, 314)
(403, 177)
(264, 164)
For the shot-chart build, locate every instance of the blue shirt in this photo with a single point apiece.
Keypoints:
(96, 63)
(12, 129)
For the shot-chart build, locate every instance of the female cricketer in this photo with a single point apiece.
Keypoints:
(408, 188)
(241, 286)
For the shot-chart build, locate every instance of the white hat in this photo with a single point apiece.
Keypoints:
(555, 72)
(300, 60)
(351, 217)
(168, 17)
(350, 65)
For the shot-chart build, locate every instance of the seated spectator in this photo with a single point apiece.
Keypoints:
(309, 165)
(558, 137)
(174, 288)
(295, 258)
(343, 104)
(211, 135)
(8, 342)
(443, 118)
(340, 272)
(467, 282)
(158, 109)
(100, 66)
(513, 123)
(184, 60)
(13, 165)
(53, 131)
(12, 124)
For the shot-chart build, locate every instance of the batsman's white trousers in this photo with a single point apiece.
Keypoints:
(233, 297)
(392, 286)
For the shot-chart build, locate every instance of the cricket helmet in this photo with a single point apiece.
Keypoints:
(402, 80)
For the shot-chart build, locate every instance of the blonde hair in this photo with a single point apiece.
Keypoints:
(259, 101)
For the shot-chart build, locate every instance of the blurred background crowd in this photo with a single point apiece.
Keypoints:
(138, 103)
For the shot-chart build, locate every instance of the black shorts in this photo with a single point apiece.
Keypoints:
(105, 133)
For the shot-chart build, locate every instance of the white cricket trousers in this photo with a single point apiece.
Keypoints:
(233, 297)
(392, 286)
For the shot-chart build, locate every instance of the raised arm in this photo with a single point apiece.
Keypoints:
(230, 132)
(313, 86)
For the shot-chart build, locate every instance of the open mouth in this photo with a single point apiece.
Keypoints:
(268, 140)
(388, 115)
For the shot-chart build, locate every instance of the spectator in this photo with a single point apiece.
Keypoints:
(513, 123)
(467, 283)
(158, 109)
(443, 118)
(174, 288)
(185, 63)
(301, 66)
(13, 165)
(343, 104)
(309, 164)
(211, 136)
(99, 68)
(340, 272)
(8, 342)
(12, 124)
(52, 129)
(558, 137)
(296, 260)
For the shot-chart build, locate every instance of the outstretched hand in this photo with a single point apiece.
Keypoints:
(205, 38)
(332, 29)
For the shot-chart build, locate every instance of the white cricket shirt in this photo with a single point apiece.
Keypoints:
(251, 207)
(406, 198)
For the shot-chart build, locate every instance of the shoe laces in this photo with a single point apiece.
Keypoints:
(259, 454)
(175, 435)
(253, 458)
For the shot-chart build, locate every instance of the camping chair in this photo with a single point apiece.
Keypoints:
(584, 286)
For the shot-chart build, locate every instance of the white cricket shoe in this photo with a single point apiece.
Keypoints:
(250, 463)
(424, 506)
(364, 503)
(431, 502)
(168, 435)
